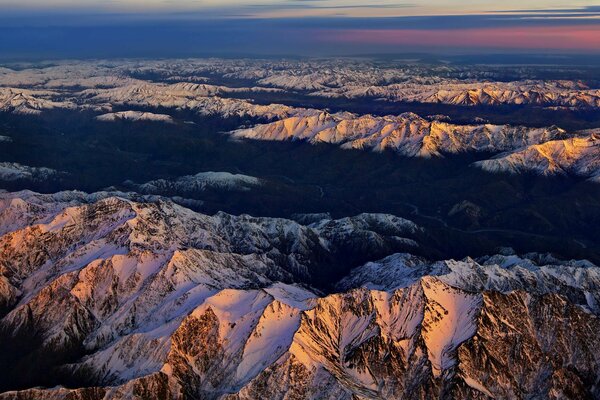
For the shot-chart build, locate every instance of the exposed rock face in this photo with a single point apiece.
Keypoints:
(529, 346)
(150, 300)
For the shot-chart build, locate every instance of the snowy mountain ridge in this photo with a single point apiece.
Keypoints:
(135, 116)
(578, 156)
(166, 300)
(200, 182)
(407, 134)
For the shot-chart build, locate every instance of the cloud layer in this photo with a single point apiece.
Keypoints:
(132, 28)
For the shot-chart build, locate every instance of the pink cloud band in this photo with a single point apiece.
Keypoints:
(576, 37)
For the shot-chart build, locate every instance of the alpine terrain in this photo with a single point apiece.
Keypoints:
(304, 228)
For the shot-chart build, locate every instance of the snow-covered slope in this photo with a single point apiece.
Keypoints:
(168, 303)
(416, 82)
(200, 182)
(544, 151)
(428, 340)
(72, 230)
(579, 281)
(15, 171)
(203, 99)
(135, 116)
(578, 156)
(473, 93)
(129, 273)
(407, 134)
(23, 101)
(107, 86)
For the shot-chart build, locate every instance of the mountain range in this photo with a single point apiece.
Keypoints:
(167, 91)
(144, 299)
(241, 229)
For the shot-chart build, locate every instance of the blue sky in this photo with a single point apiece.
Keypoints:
(121, 28)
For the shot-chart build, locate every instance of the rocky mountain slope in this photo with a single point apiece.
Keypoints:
(474, 93)
(130, 295)
(407, 134)
(188, 83)
(150, 300)
(543, 151)
(203, 99)
(259, 90)
(104, 276)
(577, 156)
(539, 274)
(15, 171)
(104, 86)
(24, 101)
(135, 116)
(199, 182)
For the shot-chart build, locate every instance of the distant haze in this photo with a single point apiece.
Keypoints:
(161, 28)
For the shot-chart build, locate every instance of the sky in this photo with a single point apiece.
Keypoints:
(300, 8)
(166, 28)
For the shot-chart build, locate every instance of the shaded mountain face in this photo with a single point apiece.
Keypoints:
(129, 299)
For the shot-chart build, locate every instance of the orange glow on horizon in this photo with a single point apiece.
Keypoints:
(577, 37)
